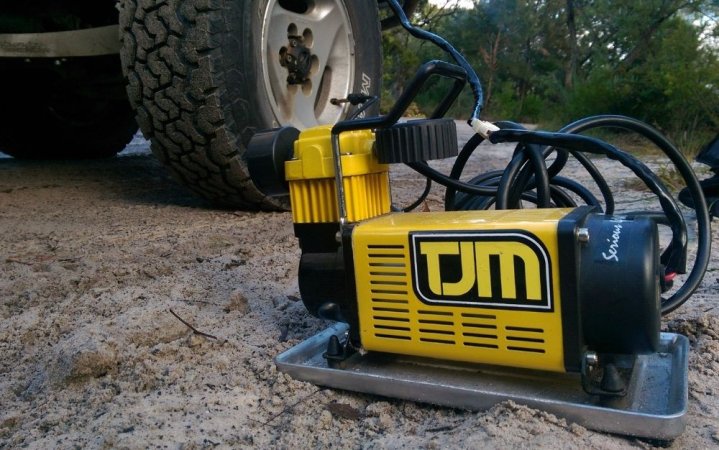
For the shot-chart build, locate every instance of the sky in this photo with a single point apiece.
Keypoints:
(448, 3)
(707, 38)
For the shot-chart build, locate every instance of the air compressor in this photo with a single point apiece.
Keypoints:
(560, 289)
(574, 291)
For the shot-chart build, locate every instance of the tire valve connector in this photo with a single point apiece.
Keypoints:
(561, 290)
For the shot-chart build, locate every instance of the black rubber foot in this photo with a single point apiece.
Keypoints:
(710, 187)
(709, 155)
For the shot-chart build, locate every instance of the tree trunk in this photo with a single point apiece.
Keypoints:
(490, 59)
(571, 70)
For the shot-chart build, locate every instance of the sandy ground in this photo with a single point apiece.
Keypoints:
(94, 256)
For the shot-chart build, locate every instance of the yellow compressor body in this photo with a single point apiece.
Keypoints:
(466, 286)
(536, 289)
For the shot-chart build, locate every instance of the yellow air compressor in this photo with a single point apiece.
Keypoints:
(557, 307)
(544, 289)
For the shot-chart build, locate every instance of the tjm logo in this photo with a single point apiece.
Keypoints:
(492, 269)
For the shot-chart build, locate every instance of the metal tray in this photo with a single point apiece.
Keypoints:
(655, 406)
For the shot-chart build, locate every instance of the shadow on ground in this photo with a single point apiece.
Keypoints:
(136, 178)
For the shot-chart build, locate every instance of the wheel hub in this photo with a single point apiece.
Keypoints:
(297, 59)
(308, 58)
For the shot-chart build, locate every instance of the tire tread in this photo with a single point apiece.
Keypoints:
(178, 84)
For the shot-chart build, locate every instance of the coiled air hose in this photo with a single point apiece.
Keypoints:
(528, 178)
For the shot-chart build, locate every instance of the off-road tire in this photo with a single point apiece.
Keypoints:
(194, 78)
(74, 111)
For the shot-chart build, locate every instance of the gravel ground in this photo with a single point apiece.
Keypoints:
(96, 256)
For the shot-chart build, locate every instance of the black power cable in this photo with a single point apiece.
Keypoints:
(421, 199)
(442, 43)
(701, 261)
(578, 143)
(528, 178)
(502, 186)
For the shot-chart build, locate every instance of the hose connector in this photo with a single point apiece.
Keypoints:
(483, 128)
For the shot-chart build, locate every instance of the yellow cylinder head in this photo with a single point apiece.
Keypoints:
(311, 177)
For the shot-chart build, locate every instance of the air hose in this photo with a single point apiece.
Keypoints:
(527, 177)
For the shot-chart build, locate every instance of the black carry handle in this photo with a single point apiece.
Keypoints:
(427, 69)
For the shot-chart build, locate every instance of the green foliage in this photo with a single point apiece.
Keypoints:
(598, 93)
(650, 59)
(510, 105)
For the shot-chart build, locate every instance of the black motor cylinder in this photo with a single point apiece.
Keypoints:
(619, 291)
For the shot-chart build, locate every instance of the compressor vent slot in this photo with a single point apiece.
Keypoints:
(386, 265)
(479, 344)
(435, 313)
(391, 326)
(388, 283)
(435, 322)
(392, 319)
(480, 338)
(525, 339)
(385, 254)
(392, 336)
(525, 349)
(387, 276)
(436, 341)
(480, 316)
(388, 292)
(479, 325)
(389, 301)
(480, 330)
(436, 326)
(397, 310)
(431, 331)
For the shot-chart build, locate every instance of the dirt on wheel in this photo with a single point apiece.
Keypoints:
(99, 261)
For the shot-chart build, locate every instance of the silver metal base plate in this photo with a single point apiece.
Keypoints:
(655, 406)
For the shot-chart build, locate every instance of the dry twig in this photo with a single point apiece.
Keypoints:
(289, 407)
(194, 330)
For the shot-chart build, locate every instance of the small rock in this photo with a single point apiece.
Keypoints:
(385, 421)
(195, 340)
(577, 430)
(377, 408)
(325, 419)
(13, 421)
(343, 411)
(83, 355)
(237, 302)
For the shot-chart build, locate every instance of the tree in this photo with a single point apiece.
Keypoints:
(552, 60)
